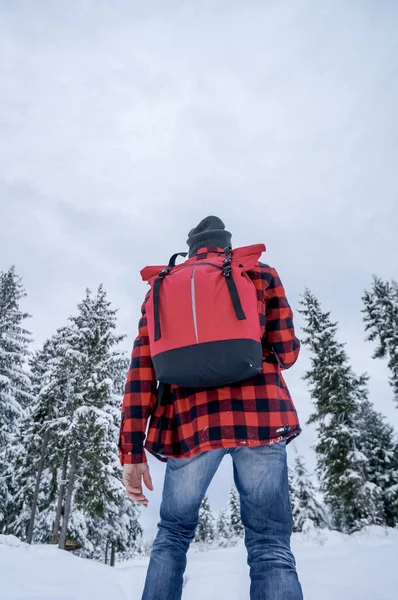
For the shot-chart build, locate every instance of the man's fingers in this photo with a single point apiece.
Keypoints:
(140, 498)
(133, 476)
(142, 502)
(135, 491)
(148, 480)
(137, 497)
(133, 480)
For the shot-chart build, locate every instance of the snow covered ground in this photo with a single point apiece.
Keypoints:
(333, 567)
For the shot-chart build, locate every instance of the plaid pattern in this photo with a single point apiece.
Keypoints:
(186, 421)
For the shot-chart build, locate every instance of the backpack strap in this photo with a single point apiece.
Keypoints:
(233, 290)
(156, 307)
(156, 292)
(172, 261)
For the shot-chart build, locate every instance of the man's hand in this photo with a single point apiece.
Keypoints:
(132, 477)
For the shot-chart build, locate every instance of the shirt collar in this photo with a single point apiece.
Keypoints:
(209, 251)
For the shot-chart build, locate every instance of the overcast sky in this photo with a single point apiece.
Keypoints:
(124, 123)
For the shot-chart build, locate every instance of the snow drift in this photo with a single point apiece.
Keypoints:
(332, 566)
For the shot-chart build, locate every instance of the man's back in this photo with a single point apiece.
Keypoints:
(185, 421)
(193, 428)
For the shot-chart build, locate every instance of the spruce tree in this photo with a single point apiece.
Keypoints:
(223, 528)
(67, 479)
(337, 394)
(205, 531)
(236, 524)
(94, 494)
(53, 402)
(36, 466)
(14, 384)
(308, 511)
(381, 322)
(71, 440)
(380, 445)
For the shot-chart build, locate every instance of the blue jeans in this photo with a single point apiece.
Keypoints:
(261, 478)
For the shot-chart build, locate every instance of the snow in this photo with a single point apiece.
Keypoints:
(331, 565)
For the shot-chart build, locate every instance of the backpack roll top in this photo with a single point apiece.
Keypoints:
(203, 321)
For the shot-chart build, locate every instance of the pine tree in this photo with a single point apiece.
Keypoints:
(337, 393)
(67, 479)
(94, 495)
(205, 531)
(37, 465)
(52, 408)
(71, 483)
(223, 528)
(308, 511)
(381, 321)
(14, 384)
(236, 524)
(380, 445)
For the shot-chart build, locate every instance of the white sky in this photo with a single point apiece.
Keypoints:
(123, 123)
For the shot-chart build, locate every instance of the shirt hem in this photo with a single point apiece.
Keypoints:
(218, 445)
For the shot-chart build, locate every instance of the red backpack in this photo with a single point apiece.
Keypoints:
(203, 322)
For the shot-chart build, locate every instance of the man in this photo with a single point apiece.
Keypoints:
(252, 421)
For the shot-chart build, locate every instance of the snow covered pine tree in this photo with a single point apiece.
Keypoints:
(381, 321)
(223, 528)
(308, 511)
(35, 464)
(236, 525)
(97, 513)
(380, 445)
(205, 531)
(68, 478)
(14, 386)
(337, 394)
(47, 438)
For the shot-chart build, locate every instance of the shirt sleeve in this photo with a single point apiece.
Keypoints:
(139, 397)
(280, 337)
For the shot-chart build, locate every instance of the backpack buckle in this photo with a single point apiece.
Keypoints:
(227, 268)
(164, 272)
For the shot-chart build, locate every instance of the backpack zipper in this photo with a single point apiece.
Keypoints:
(193, 300)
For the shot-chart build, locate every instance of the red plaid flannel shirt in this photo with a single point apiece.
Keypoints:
(186, 421)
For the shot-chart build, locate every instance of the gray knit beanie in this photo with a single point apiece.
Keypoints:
(210, 233)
